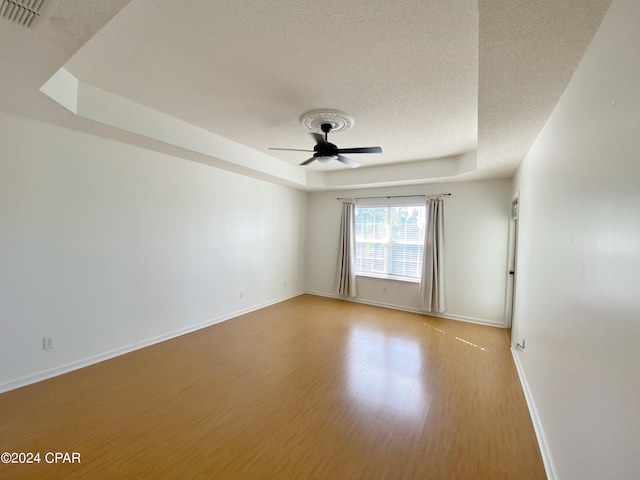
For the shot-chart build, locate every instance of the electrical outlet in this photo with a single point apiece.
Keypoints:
(286, 284)
(241, 294)
(384, 289)
(47, 343)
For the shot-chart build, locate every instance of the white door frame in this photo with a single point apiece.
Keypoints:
(512, 257)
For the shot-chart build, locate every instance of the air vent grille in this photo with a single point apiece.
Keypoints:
(26, 12)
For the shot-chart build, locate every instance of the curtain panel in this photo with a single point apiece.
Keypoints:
(345, 269)
(432, 288)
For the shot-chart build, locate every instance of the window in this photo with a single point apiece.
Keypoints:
(390, 241)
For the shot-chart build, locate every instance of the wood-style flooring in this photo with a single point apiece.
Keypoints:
(310, 388)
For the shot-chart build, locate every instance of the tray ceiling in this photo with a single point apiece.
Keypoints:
(449, 90)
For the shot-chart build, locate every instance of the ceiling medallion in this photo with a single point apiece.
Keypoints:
(339, 121)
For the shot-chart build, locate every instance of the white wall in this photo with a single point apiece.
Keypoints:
(476, 236)
(105, 246)
(578, 292)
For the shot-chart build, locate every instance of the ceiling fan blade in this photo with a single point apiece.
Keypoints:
(290, 149)
(348, 161)
(307, 162)
(360, 150)
(318, 137)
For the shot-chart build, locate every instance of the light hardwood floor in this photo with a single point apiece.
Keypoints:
(310, 388)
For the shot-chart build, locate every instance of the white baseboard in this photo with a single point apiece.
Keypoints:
(392, 306)
(535, 418)
(461, 318)
(69, 367)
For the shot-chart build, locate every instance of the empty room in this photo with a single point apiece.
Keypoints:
(320, 240)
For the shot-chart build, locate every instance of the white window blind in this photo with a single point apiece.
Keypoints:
(390, 240)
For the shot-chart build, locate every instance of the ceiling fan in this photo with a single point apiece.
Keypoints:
(325, 151)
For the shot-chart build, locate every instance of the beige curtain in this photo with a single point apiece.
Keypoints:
(432, 289)
(345, 269)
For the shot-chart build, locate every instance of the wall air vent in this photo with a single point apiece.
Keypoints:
(28, 13)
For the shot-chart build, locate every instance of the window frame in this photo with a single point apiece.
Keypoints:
(389, 243)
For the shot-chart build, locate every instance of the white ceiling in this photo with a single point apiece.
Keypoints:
(449, 90)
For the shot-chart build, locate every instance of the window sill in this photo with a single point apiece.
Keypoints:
(382, 276)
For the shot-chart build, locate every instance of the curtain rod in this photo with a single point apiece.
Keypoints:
(400, 196)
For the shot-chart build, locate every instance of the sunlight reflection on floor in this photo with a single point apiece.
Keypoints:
(457, 338)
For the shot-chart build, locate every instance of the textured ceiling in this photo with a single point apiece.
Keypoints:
(248, 70)
(426, 80)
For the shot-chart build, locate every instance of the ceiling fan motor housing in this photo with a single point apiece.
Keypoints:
(326, 151)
